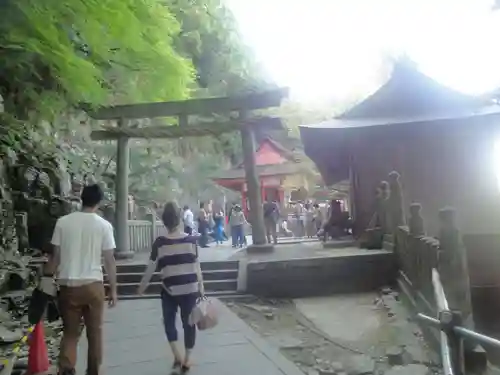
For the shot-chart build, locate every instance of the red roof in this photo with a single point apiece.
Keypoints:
(271, 159)
(271, 152)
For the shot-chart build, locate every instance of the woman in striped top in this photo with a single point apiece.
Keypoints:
(175, 256)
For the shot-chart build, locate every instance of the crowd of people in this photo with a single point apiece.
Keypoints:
(303, 220)
(211, 225)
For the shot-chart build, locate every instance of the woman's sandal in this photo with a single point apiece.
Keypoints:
(177, 364)
(185, 368)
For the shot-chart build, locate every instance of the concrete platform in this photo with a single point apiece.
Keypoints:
(135, 343)
(310, 270)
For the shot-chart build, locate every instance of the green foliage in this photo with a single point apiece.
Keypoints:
(210, 38)
(57, 53)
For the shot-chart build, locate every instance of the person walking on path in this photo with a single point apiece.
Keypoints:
(317, 217)
(219, 227)
(176, 255)
(203, 226)
(271, 217)
(80, 239)
(188, 219)
(237, 221)
(300, 218)
(310, 227)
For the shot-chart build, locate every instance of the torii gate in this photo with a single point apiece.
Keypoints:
(182, 110)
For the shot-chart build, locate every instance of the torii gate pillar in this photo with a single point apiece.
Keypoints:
(121, 191)
(259, 241)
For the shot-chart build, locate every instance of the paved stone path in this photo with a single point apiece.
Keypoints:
(135, 344)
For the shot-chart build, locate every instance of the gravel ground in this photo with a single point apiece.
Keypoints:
(396, 347)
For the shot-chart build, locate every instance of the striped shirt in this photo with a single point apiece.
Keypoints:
(176, 259)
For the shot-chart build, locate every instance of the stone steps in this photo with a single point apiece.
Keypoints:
(205, 266)
(156, 287)
(220, 295)
(212, 275)
(220, 280)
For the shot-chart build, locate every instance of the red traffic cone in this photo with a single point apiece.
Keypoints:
(38, 358)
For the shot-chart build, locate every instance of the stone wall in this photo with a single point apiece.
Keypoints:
(297, 278)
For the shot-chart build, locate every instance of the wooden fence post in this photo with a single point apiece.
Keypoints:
(152, 219)
(454, 272)
(384, 216)
(453, 268)
(415, 253)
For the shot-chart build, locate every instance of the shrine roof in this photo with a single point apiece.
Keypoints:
(287, 168)
(408, 98)
(340, 123)
(410, 93)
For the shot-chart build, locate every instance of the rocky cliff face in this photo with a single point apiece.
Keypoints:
(32, 198)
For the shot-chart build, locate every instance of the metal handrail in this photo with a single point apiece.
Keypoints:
(452, 334)
(444, 340)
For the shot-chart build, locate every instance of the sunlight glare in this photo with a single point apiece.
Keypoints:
(333, 49)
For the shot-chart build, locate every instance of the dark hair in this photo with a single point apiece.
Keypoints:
(186, 207)
(92, 195)
(202, 204)
(171, 216)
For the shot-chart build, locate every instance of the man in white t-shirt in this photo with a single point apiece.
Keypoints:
(188, 219)
(80, 241)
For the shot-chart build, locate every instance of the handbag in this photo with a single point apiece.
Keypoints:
(204, 314)
(43, 299)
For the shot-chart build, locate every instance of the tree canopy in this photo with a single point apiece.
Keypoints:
(205, 38)
(56, 54)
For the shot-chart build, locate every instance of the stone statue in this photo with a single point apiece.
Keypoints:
(384, 208)
(396, 209)
(374, 234)
(416, 222)
(374, 221)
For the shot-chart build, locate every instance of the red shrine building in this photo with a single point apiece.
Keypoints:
(280, 173)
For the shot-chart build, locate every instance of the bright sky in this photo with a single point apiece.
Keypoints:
(333, 49)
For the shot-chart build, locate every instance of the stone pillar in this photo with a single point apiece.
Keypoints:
(253, 189)
(121, 196)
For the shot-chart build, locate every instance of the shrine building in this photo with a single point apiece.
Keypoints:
(279, 170)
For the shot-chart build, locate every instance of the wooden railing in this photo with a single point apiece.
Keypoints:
(417, 255)
(142, 233)
(434, 274)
